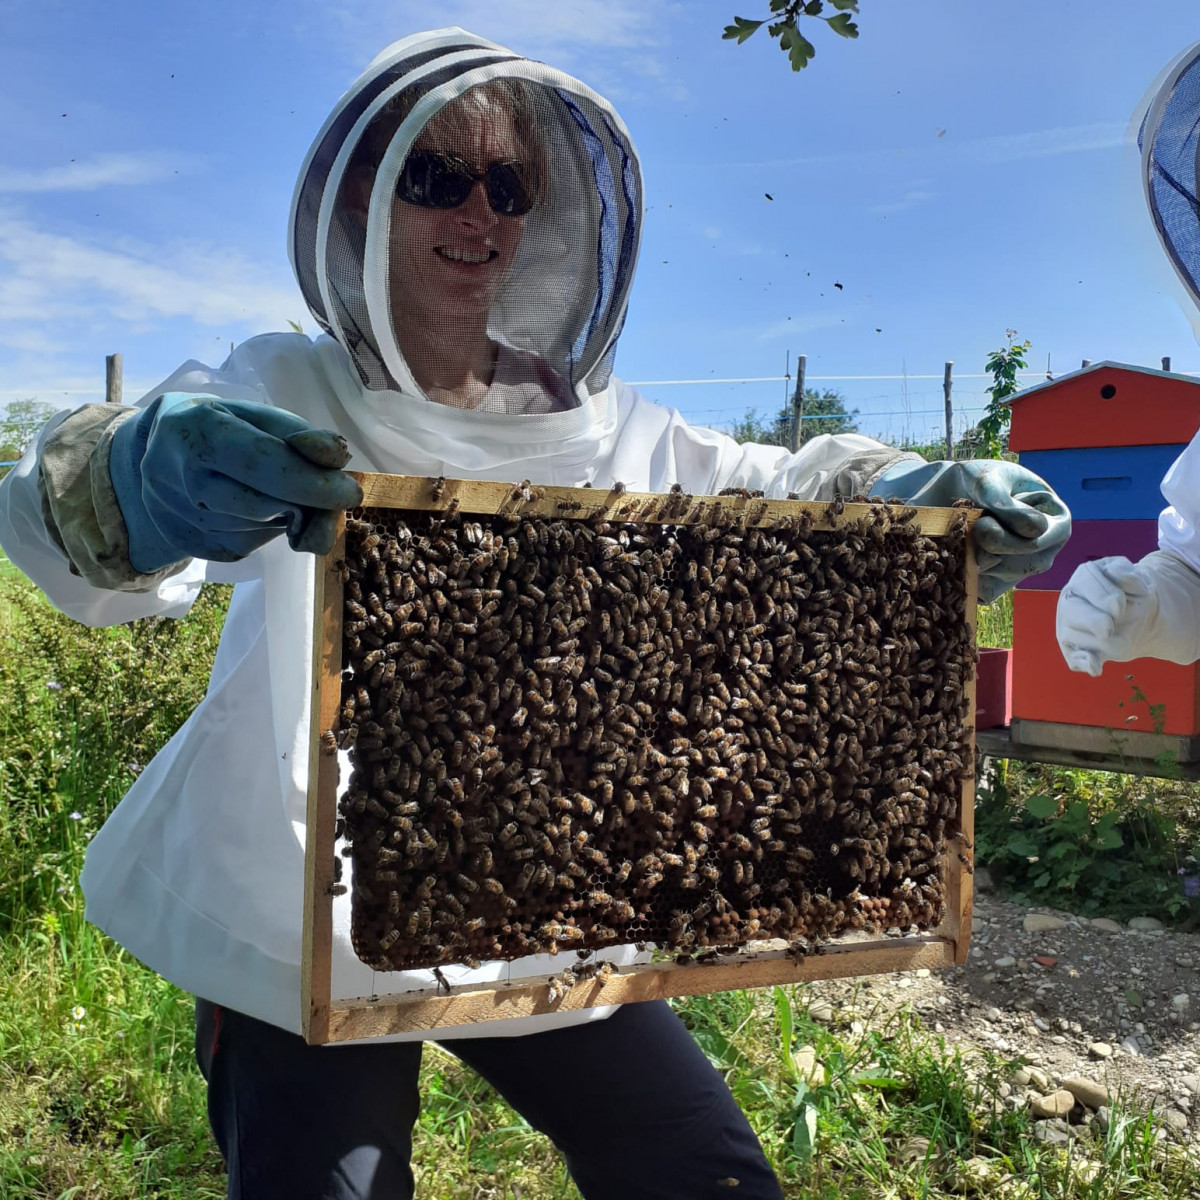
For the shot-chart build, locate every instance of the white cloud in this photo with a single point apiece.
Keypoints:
(1044, 143)
(576, 35)
(50, 277)
(910, 199)
(1037, 143)
(802, 323)
(98, 171)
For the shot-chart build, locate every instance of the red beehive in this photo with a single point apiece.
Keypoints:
(1103, 437)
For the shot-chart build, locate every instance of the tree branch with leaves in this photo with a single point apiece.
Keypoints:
(783, 26)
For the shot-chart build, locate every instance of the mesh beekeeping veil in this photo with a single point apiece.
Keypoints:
(539, 257)
(1169, 140)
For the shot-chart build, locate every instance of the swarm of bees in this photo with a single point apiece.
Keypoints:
(573, 733)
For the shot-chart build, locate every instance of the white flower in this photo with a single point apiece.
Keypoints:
(78, 1012)
(76, 816)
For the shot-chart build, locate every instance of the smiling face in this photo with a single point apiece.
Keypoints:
(448, 264)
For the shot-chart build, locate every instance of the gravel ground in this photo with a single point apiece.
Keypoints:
(1095, 1008)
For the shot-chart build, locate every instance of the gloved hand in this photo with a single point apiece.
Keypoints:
(1025, 524)
(200, 477)
(1115, 610)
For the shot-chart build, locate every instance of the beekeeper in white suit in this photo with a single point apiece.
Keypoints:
(465, 230)
(1114, 610)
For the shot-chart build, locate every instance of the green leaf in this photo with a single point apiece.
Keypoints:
(1133, 997)
(845, 5)
(740, 29)
(1041, 807)
(804, 1133)
(880, 1078)
(1023, 845)
(843, 25)
(1110, 839)
(800, 50)
(783, 1014)
(1043, 879)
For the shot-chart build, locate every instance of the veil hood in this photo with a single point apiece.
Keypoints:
(564, 297)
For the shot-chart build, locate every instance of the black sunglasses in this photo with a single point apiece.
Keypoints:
(433, 180)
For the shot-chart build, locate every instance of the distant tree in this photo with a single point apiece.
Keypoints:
(824, 412)
(784, 29)
(20, 421)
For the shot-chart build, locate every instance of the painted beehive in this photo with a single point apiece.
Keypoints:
(1103, 438)
(731, 729)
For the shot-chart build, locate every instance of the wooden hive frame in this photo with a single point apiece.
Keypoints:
(329, 1019)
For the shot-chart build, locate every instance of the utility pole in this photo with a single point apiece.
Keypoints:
(798, 403)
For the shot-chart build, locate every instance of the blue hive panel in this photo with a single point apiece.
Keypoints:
(1107, 483)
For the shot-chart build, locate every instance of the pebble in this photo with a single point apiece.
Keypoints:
(1006, 961)
(1192, 1083)
(1174, 1118)
(913, 1147)
(1100, 1050)
(1043, 923)
(1087, 1091)
(807, 1066)
(1132, 1046)
(1053, 1133)
(1040, 1080)
(1106, 925)
(1021, 1077)
(1053, 1104)
(993, 1014)
(821, 1010)
(1103, 1116)
(1145, 924)
(1181, 1002)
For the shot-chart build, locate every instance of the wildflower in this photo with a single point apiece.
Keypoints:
(53, 685)
(134, 768)
(76, 815)
(78, 1012)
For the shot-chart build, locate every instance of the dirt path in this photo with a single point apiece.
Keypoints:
(1083, 1001)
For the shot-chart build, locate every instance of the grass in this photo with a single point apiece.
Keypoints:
(100, 1097)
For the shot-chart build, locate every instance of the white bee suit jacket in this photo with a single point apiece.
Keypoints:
(199, 870)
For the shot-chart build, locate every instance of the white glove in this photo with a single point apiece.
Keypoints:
(1113, 610)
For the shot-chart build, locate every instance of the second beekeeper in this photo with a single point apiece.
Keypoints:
(1114, 610)
(465, 230)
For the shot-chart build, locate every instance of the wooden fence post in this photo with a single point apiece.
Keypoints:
(798, 403)
(947, 393)
(112, 379)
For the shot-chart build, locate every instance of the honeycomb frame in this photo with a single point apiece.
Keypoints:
(710, 965)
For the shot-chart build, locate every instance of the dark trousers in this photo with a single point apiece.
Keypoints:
(636, 1109)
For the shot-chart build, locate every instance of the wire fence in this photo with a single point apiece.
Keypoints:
(899, 413)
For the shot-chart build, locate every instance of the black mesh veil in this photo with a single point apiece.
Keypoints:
(1169, 140)
(384, 274)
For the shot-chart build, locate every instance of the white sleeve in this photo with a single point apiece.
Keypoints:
(705, 461)
(1179, 523)
(30, 535)
(30, 539)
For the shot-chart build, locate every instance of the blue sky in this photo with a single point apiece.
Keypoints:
(960, 169)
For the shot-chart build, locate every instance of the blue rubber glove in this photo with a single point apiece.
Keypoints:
(200, 477)
(1025, 524)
